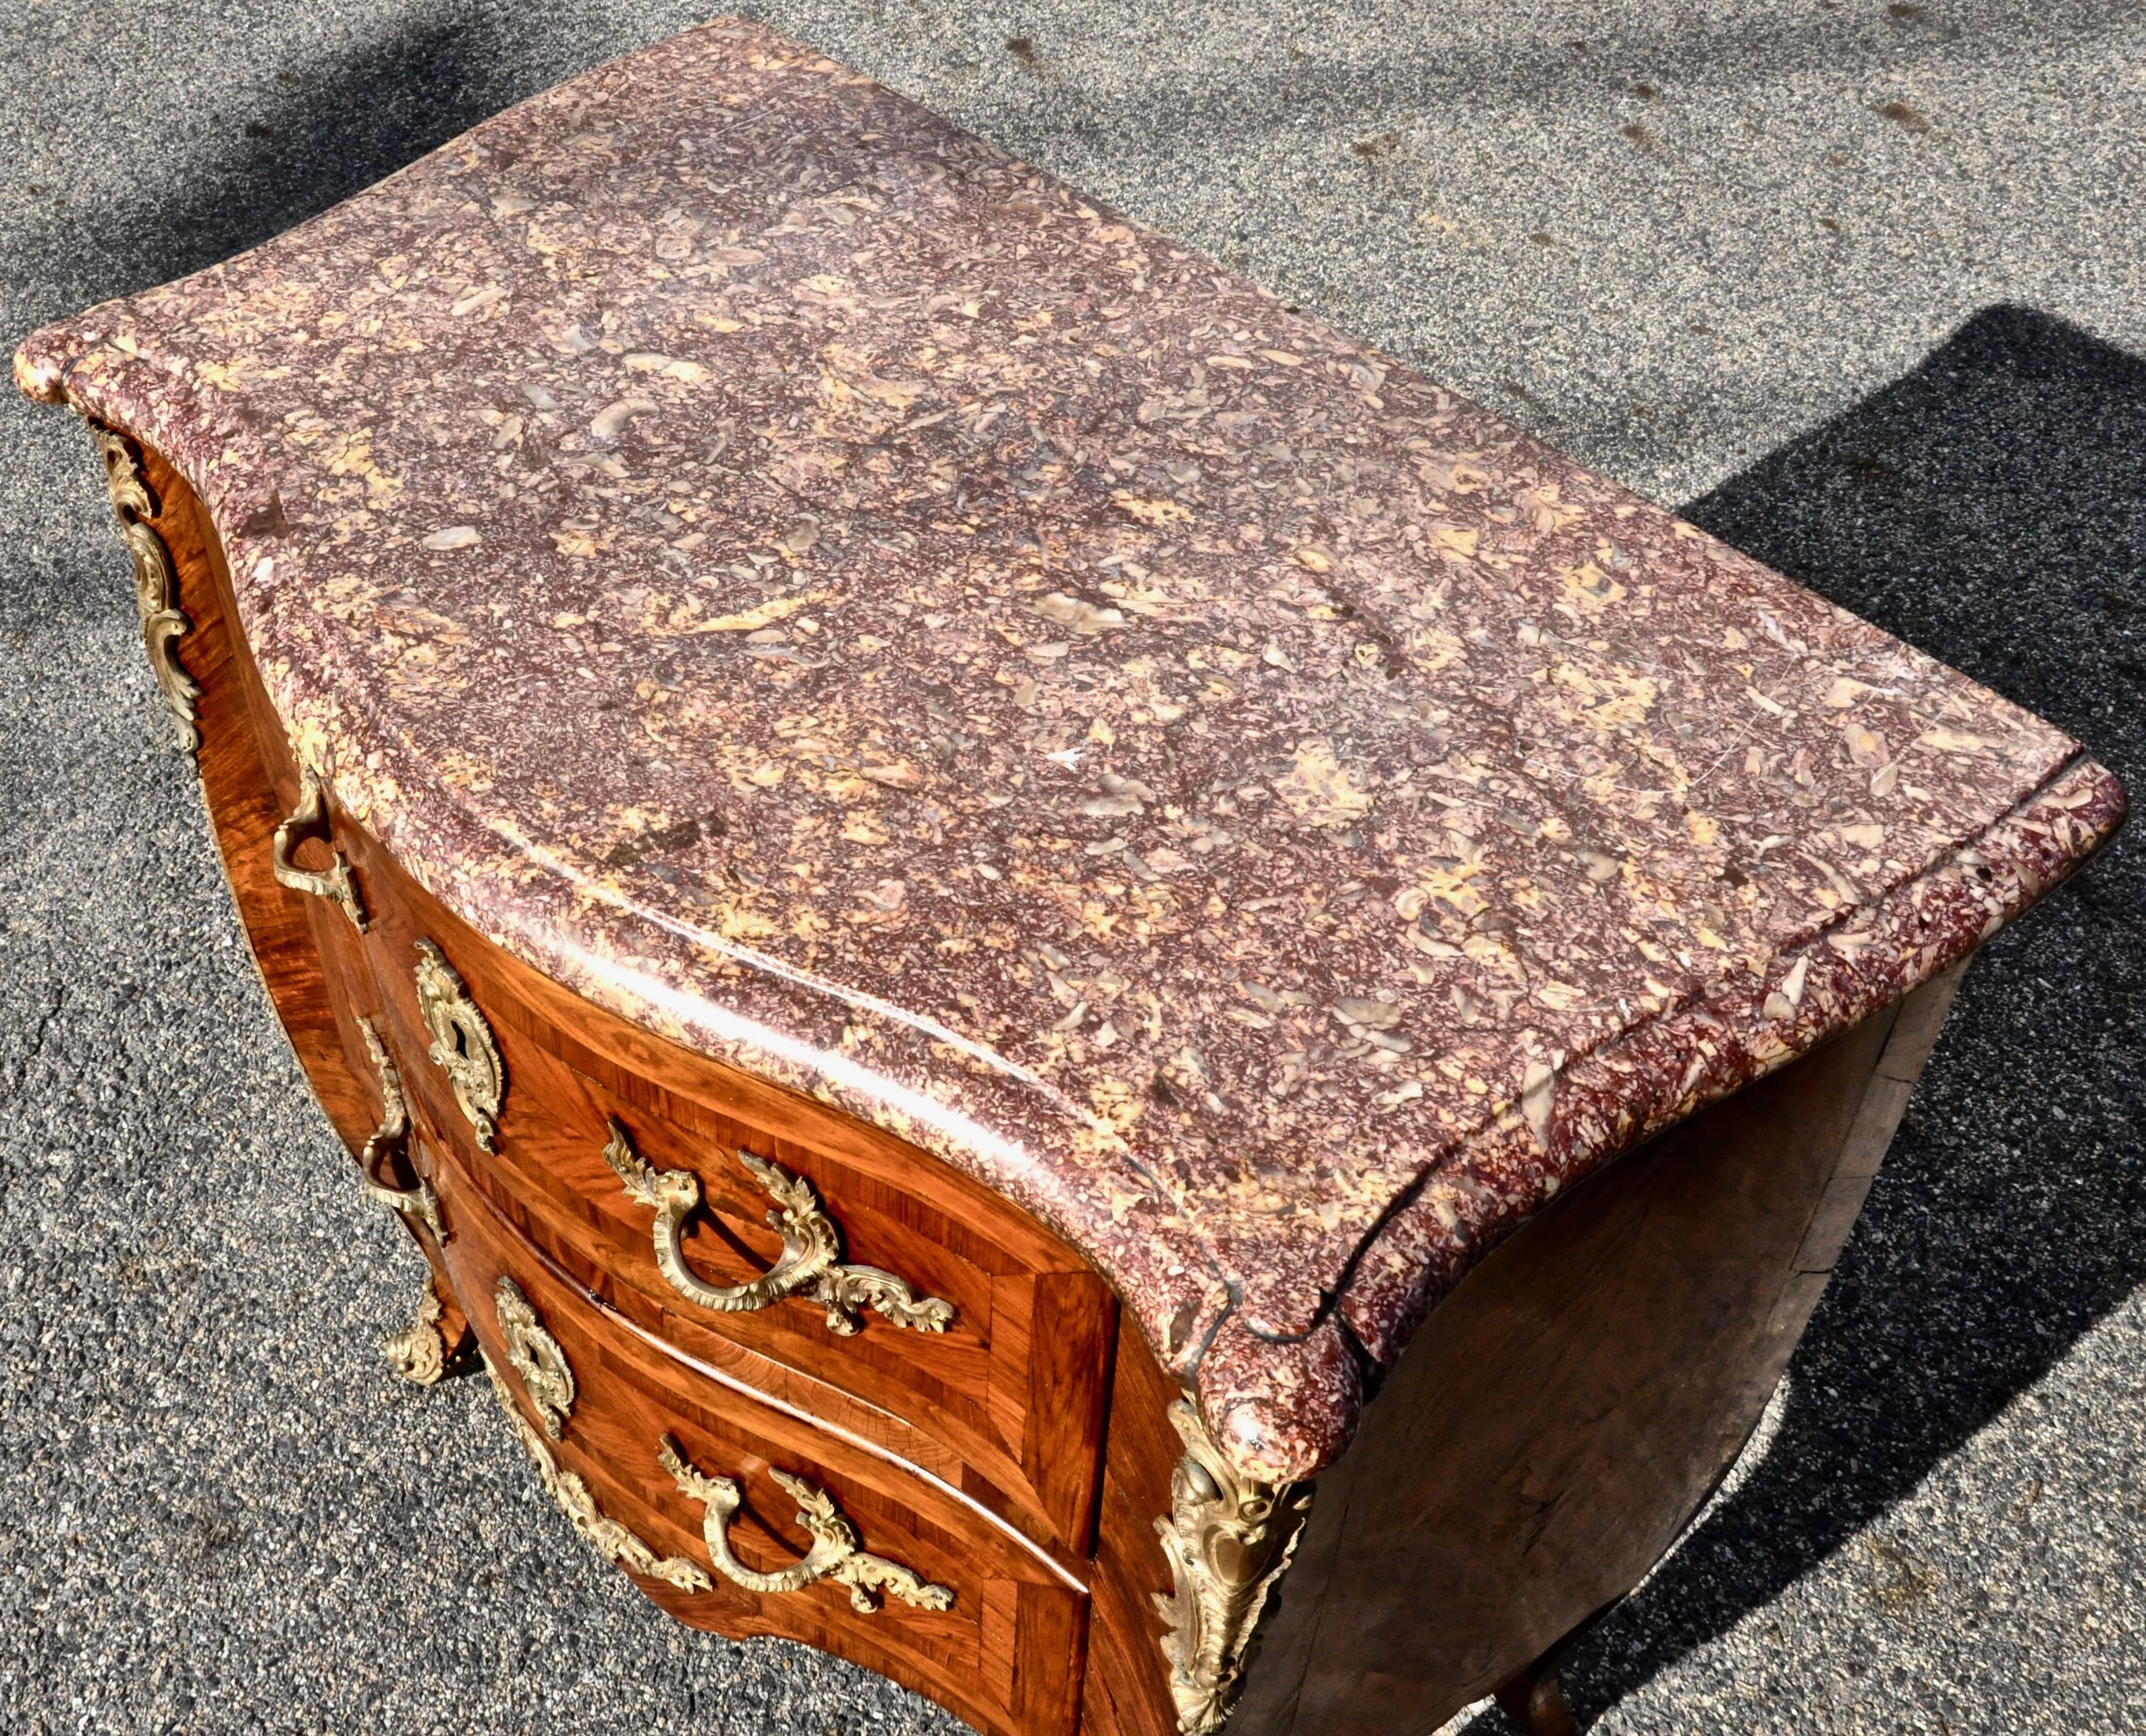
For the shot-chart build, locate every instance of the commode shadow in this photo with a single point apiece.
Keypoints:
(1990, 507)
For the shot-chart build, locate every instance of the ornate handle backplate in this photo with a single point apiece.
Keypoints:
(546, 1375)
(156, 586)
(390, 1144)
(462, 1047)
(605, 1535)
(836, 1553)
(810, 1267)
(309, 820)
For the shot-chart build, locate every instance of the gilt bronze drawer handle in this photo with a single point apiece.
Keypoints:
(810, 1267)
(537, 1359)
(462, 1047)
(836, 1553)
(309, 822)
(607, 1537)
(156, 585)
(390, 1142)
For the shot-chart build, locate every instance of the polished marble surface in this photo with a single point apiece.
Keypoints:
(822, 590)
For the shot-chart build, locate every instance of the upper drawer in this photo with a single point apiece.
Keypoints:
(743, 1517)
(925, 1310)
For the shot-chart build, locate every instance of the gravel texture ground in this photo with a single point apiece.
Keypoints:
(1859, 285)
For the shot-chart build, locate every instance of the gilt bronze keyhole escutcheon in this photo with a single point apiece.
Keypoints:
(462, 1047)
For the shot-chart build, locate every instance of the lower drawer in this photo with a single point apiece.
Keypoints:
(737, 1513)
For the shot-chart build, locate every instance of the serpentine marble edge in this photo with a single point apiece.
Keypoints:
(823, 590)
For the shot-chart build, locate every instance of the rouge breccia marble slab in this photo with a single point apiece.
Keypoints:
(827, 592)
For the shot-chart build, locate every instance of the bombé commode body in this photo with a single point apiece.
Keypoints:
(955, 870)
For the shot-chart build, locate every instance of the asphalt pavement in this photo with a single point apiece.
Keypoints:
(1856, 286)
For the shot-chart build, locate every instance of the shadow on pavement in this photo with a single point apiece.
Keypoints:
(1990, 507)
(316, 136)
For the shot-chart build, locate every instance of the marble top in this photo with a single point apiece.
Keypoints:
(828, 593)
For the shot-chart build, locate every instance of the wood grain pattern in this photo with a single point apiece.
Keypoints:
(1021, 1411)
(1128, 1681)
(306, 952)
(1002, 1434)
(1557, 1420)
(1562, 1415)
(1006, 1656)
(914, 852)
(247, 794)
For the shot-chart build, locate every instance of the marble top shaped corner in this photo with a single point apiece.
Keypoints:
(824, 590)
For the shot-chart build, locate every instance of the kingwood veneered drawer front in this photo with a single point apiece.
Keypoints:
(891, 1294)
(737, 1515)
